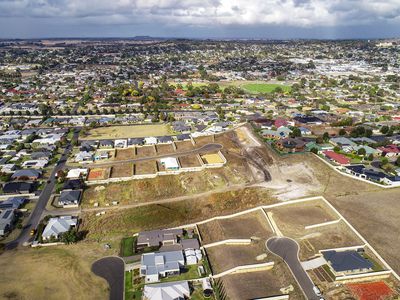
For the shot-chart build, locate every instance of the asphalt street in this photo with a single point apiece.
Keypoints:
(44, 197)
(288, 250)
(111, 269)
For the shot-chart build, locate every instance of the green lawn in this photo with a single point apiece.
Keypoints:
(127, 246)
(264, 87)
(191, 273)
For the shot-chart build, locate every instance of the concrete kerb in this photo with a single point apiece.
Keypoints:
(246, 269)
(322, 224)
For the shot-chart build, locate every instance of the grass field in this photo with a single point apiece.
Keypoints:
(52, 273)
(119, 223)
(257, 88)
(116, 132)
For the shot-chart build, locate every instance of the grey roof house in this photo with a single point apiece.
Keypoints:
(69, 198)
(158, 265)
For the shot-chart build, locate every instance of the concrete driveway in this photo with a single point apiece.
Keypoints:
(288, 250)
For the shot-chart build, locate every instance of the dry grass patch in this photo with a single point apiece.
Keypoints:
(145, 167)
(246, 226)
(132, 131)
(122, 222)
(125, 154)
(146, 151)
(203, 140)
(225, 257)
(61, 272)
(163, 149)
(122, 170)
(189, 161)
(184, 146)
(261, 284)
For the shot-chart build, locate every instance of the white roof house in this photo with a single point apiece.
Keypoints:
(167, 291)
(58, 225)
(150, 140)
(170, 163)
(75, 173)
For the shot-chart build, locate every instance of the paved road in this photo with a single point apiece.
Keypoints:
(206, 148)
(44, 197)
(288, 250)
(111, 269)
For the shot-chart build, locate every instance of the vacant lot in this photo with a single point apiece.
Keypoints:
(146, 151)
(122, 170)
(291, 219)
(123, 222)
(184, 146)
(124, 154)
(98, 173)
(225, 257)
(242, 227)
(261, 284)
(165, 149)
(211, 158)
(327, 237)
(203, 140)
(52, 273)
(145, 167)
(133, 131)
(189, 161)
(257, 88)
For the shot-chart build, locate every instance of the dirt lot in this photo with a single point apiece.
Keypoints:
(189, 161)
(260, 284)
(119, 223)
(62, 269)
(124, 154)
(133, 131)
(203, 140)
(291, 219)
(184, 146)
(165, 149)
(245, 226)
(145, 167)
(375, 214)
(225, 257)
(145, 151)
(327, 237)
(98, 174)
(122, 170)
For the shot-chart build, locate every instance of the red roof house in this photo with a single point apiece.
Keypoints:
(337, 157)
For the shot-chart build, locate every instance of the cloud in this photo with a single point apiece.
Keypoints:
(209, 13)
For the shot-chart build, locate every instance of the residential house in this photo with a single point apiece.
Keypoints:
(57, 226)
(159, 265)
(7, 218)
(70, 198)
(178, 290)
(347, 262)
(159, 237)
(337, 157)
(18, 188)
(29, 174)
(170, 163)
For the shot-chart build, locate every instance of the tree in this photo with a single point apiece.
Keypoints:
(325, 136)
(314, 150)
(384, 129)
(70, 237)
(296, 132)
(361, 151)
(342, 132)
(397, 161)
(371, 157)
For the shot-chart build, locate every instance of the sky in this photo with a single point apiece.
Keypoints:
(260, 19)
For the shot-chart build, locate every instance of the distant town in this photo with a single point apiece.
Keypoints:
(164, 169)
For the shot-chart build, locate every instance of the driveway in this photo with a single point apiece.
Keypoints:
(288, 250)
(111, 269)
